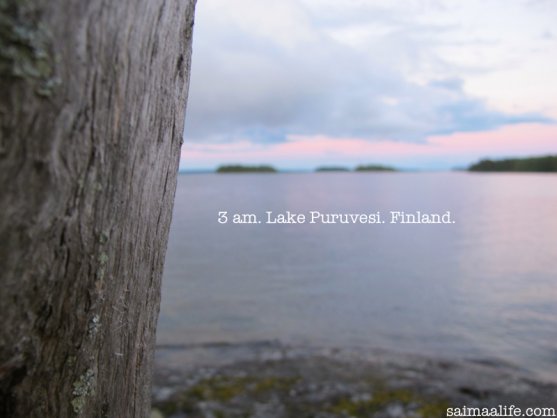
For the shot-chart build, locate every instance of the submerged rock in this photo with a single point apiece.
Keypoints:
(304, 383)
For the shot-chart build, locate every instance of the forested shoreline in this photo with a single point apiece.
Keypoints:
(533, 164)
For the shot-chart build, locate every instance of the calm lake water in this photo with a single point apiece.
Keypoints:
(484, 287)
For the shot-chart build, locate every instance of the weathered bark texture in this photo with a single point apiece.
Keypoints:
(92, 101)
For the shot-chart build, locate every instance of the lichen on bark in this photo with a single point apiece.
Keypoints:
(83, 387)
(25, 47)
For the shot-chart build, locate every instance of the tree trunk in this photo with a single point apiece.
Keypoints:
(92, 100)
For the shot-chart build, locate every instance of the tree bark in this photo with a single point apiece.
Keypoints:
(92, 101)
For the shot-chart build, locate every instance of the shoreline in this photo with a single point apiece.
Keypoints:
(269, 379)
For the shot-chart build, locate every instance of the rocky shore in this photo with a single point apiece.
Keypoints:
(270, 380)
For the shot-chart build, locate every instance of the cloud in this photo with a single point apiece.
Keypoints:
(264, 71)
(437, 152)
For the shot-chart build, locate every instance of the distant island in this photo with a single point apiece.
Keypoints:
(246, 169)
(263, 168)
(360, 168)
(546, 164)
(331, 169)
(374, 167)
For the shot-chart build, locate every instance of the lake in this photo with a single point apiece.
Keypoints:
(483, 287)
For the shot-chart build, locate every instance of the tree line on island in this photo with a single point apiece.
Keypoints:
(543, 164)
(239, 168)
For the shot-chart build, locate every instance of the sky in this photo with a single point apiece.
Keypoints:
(419, 84)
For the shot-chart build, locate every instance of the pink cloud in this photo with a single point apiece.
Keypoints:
(525, 139)
(511, 140)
